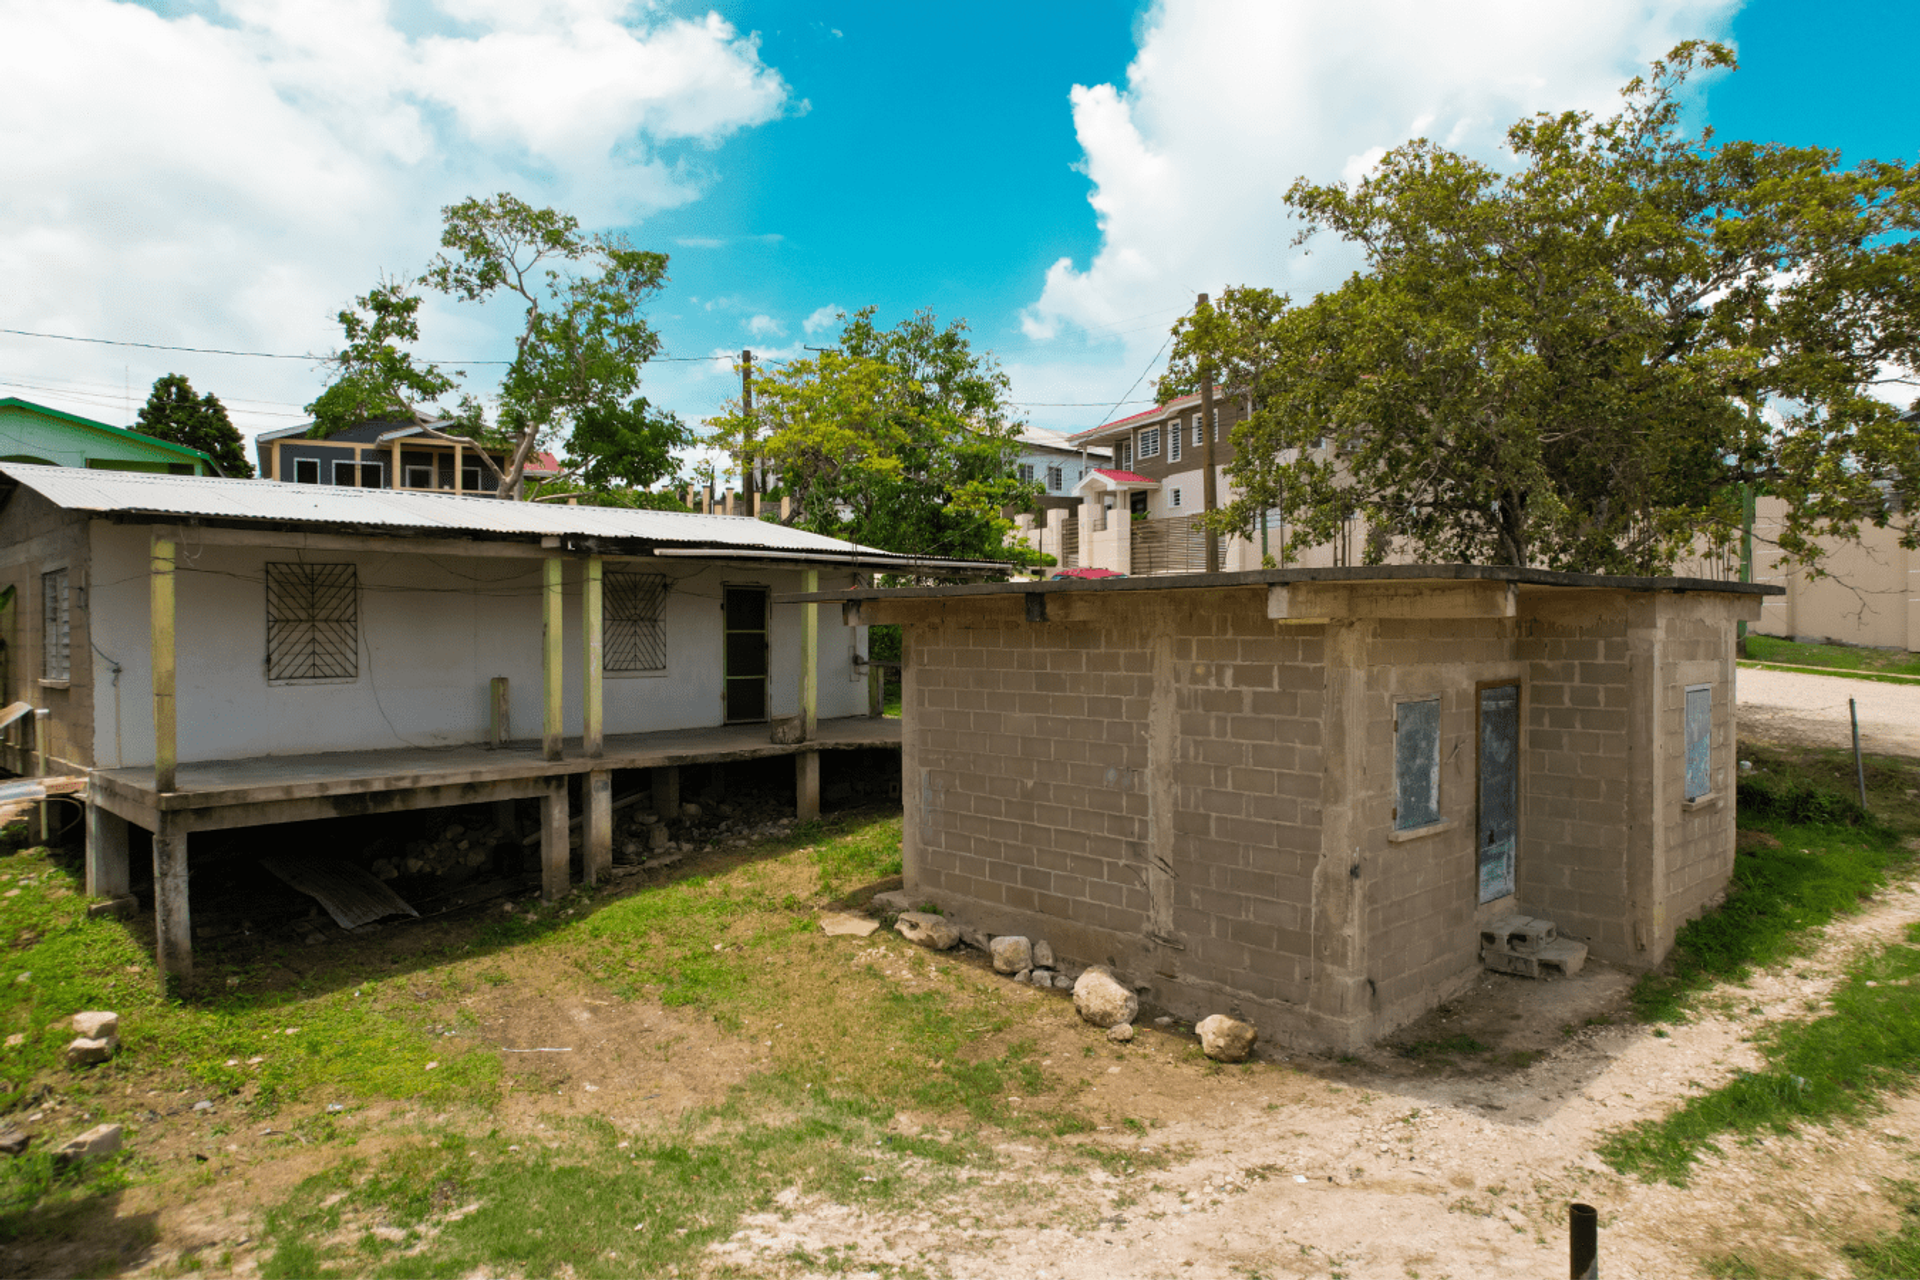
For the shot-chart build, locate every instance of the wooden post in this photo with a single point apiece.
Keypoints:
(556, 859)
(108, 875)
(165, 754)
(596, 836)
(39, 820)
(592, 686)
(172, 919)
(666, 791)
(399, 475)
(810, 659)
(499, 725)
(553, 664)
(806, 785)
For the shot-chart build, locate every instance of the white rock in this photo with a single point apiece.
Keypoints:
(1043, 955)
(98, 1025)
(1011, 954)
(84, 1052)
(898, 901)
(1103, 1001)
(927, 930)
(690, 811)
(1225, 1039)
(101, 1140)
(1120, 1034)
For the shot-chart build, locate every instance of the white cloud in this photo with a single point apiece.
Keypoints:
(232, 179)
(1226, 103)
(823, 318)
(766, 327)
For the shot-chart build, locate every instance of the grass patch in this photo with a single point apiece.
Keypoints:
(1828, 855)
(1841, 659)
(1896, 1254)
(1831, 1068)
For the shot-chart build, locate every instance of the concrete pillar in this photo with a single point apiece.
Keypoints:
(108, 873)
(553, 664)
(666, 791)
(161, 598)
(592, 685)
(597, 831)
(1338, 997)
(806, 784)
(172, 918)
(556, 876)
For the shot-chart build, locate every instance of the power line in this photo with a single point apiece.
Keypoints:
(279, 355)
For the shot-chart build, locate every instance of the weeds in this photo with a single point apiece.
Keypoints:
(1831, 1068)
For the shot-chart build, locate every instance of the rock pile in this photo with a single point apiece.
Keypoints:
(455, 851)
(97, 1038)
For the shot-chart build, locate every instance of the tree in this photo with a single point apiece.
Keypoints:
(895, 438)
(173, 413)
(1580, 364)
(374, 377)
(583, 339)
(625, 447)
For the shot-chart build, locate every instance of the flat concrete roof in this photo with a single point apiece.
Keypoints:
(1273, 577)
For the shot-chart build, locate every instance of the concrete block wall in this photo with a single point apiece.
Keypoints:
(1422, 912)
(1695, 648)
(1573, 853)
(35, 538)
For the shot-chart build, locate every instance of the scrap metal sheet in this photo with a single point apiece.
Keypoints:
(352, 895)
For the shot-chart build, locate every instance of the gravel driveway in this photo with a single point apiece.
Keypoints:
(1791, 707)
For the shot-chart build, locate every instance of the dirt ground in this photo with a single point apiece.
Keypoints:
(1396, 1167)
(1799, 707)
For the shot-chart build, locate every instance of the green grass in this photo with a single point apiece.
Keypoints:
(1896, 1255)
(1831, 1068)
(1830, 856)
(1841, 659)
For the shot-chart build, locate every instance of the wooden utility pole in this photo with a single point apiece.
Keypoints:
(1210, 498)
(747, 441)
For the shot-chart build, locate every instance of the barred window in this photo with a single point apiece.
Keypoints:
(634, 639)
(56, 632)
(313, 622)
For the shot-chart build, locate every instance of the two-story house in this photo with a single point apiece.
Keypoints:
(415, 456)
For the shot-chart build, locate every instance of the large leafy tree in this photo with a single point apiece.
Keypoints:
(897, 438)
(173, 413)
(583, 336)
(374, 377)
(1583, 362)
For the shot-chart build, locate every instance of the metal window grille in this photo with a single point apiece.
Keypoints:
(1150, 443)
(313, 622)
(1175, 437)
(56, 645)
(634, 639)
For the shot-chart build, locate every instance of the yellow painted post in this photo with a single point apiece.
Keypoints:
(459, 457)
(592, 689)
(810, 658)
(553, 664)
(160, 575)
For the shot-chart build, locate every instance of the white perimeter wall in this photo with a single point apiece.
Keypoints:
(434, 631)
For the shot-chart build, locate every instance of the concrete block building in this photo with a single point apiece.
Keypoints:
(1297, 795)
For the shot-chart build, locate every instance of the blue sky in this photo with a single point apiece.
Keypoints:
(227, 173)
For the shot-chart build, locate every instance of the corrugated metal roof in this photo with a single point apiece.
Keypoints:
(434, 514)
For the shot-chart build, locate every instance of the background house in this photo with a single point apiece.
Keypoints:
(1301, 795)
(33, 433)
(426, 457)
(1049, 460)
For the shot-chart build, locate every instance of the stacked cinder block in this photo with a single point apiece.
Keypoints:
(1530, 948)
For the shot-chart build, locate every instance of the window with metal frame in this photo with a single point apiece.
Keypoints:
(346, 473)
(1176, 496)
(1699, 730)
(306, 471)
(470, 479)
(1054, 479)
(1416, 764)
(56, 631)
(1026, 473)
(313, 621)
(419, 477)
(1199, 438)
(635, 637)
(1123, 454)
(1150, 443)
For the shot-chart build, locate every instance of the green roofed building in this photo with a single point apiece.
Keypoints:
(32, 432)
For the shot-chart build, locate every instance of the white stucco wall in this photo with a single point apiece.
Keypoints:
(434, 631)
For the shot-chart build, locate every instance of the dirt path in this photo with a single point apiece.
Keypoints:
(1795, 707)
(1384, 1168)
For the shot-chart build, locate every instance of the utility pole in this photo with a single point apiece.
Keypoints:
(1210, 498)
(747, 442)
